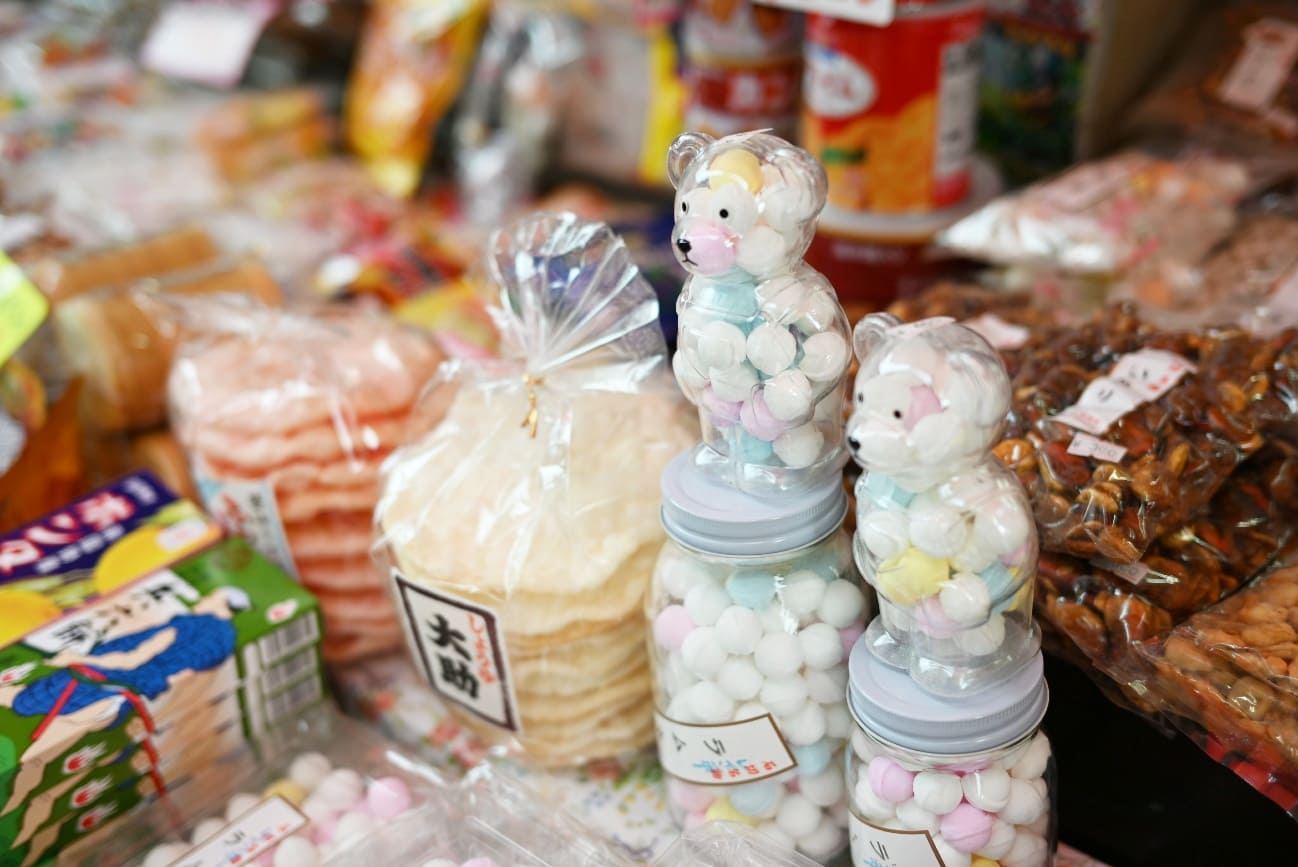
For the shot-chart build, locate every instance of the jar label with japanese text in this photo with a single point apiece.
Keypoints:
(462, 652)
(249, 835)
(873, 846)
(723, 754)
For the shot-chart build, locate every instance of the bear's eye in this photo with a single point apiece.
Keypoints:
(896, 413)
(725, 213)
(860, 397)
(685, 207)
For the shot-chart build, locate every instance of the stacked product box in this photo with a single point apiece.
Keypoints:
(136, 647)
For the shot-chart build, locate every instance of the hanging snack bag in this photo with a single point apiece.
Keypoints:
(520, 534)
(285, 419)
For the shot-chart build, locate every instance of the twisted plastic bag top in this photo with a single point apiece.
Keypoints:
(543, 477)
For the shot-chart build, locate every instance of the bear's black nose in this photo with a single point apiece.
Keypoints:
(684, 245)
(853, 443)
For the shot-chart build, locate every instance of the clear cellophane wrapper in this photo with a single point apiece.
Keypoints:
(532, 507)
(1186, 411)
(285, 419)
(728, 844)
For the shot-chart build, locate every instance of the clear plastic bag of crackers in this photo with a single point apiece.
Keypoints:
(729, 844)
(285, 418)
(520, 533)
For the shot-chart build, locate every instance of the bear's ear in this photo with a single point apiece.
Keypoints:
(683, 152)
(801, 172)
(870, 332)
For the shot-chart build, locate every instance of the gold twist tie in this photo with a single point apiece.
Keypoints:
(532, 383)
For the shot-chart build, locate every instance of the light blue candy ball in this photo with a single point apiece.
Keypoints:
(998, 579)
(751, 450)
(753, 799)
(751, 588)
(812, 758)
(883, 491)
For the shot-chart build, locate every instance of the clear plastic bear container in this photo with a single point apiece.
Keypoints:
(944, 532)
(763, 345)
(754, 607)
(729, 844)
(950, 784)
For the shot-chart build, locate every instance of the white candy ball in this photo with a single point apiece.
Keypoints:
(297, 852)
(817, 310)
(838, 722)
(308, 769)
(679, 575)
(827, 687)
(951, 857)
(733, 384)
(778, 655)
(710, 704)
(705, 602)
(353, 826)
(864, 748)
(676, 675)
(822, 648)
(702, 652)
(1025, 804)
(205, 830)
(751, 710)
(1002, 525)
(689, 371)
(784, 697)
(797, 816)
(973, 558)
(771, 348)
(965, 599)
(825, 841)
(1032, 763)
(739, 629)
(988, 789)
(915, 817)
(720, 344)
(982, 640)
(886, 533)
(843, 605)
(938, 530)
(776, 835)
(739, 679)
(680, 709)
(824, 789)
(789, 396)
(824, 356)
(164, 854)
(1002, 839)
(776, 618)
(800, 447)
(870, 805)
(1041, 825)
(802, 593)
(937, 792)
(342, 787)
(320, 810)
(239, 804)
(805, 726)
(1028, 850)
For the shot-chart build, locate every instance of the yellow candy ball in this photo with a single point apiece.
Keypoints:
(912, 576)
(980, 861)
(288, 790)
(736, 166)
(722, 811)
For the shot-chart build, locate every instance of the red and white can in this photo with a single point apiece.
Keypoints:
(891, 111)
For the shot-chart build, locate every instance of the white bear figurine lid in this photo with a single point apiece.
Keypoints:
(764, 343)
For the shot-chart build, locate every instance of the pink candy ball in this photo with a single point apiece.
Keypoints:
(671, 626)
(723, 413)
(322, 831)
(758, 421)
(931, 618)
(966, 828)
(692, 799)
(890, 780)
(695, 820)
(388, 798)
(849, 635)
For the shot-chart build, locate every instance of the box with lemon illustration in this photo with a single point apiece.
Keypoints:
(131, 629)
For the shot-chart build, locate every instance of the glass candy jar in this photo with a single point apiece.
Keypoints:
(754, 608)
(935, 783)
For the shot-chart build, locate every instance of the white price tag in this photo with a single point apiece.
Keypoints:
(1087, 446)
(999, 333)
(726, 754)
(208, 41)
(462, 652)
(247, 836)
(1084, 186)
(878, 12)
(1270, 50)
(246, 508)
(873, 846)
(1150, 373)
(1133, 573)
